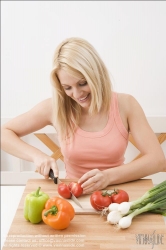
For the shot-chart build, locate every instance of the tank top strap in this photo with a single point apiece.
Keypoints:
(117, 117)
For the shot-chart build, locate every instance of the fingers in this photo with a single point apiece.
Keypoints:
(91, 188)
(44, 168)
(87, 179)
(55, 170)
(42, 171)
(91, 181)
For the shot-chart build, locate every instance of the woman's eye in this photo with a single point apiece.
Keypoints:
(80, 84)
(68, 88)
(83, 84)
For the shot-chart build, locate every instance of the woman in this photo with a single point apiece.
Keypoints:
(92, 122)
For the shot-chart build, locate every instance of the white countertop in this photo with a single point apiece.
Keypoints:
(10, 198)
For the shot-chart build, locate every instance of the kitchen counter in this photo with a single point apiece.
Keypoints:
(87, 231)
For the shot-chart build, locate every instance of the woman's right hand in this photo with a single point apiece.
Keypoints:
(43, 165)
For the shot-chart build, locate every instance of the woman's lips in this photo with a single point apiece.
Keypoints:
(83, 99)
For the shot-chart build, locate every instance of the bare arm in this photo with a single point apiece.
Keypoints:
(29, 122)
(152, 160)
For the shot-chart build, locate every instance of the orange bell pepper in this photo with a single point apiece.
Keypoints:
(58, 213)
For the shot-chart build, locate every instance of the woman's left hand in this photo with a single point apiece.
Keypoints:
(93, 180)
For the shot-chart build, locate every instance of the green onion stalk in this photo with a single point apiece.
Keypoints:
(150, 196)
(157, 206)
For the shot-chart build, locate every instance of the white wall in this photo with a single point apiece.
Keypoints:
(129, 35)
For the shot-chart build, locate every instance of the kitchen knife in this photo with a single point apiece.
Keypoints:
(57, 181)
(51, 175)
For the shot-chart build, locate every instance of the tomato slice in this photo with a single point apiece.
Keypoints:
(75, 189)
(64, 190)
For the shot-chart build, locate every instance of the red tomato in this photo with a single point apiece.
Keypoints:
(119, 196)
(64, 190)
(75, 189)
(99, 200)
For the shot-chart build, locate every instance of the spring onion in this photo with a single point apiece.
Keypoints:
(124, 207)
(150, 196)
(154, 201)
(113, 217)
(113, 207)
(126, 221)
(161, 211)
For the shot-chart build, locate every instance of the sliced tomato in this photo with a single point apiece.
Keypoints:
(99, 200)
(64, 190)
(119, 196)
(75, 189)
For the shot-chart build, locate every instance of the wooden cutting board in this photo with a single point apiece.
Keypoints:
(87, 231)
(84, 200)
(52, 191)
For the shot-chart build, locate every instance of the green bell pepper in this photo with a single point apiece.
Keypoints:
(34, 204)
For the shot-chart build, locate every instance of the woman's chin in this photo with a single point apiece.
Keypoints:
(85, 105)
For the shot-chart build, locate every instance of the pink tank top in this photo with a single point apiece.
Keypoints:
(102, 150)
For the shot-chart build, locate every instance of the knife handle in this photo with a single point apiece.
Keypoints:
(51, 175)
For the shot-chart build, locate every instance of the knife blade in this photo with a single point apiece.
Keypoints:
(58, 181)
(75, 200)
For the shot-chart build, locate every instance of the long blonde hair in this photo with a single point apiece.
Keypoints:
(79, 59)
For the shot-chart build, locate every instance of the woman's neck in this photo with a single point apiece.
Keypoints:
(93, 123)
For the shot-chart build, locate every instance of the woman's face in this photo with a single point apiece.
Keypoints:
(76, 88)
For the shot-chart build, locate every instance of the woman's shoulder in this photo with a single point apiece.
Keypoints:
(47, 103)
(44, 109)
(128, 104)
(126, 100)
(43, 112)
(124, 96)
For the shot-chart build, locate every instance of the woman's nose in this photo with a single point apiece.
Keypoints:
(76, 93)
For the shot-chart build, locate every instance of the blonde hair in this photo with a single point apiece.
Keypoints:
(79, 59)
